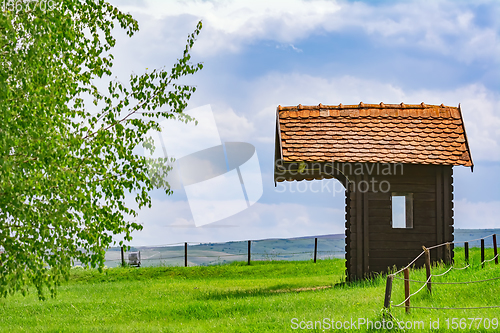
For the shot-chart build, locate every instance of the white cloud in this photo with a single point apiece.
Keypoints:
(473, 215)
(229, 23)
(233, 126)
(169, 222)
(480, 112)
(182, 222)
(291, 46)
(180, 139)
(479, 105)
(444, 27)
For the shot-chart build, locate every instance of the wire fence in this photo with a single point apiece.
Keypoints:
(428, 283)
(204, 254)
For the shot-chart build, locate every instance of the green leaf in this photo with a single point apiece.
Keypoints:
(64, 170)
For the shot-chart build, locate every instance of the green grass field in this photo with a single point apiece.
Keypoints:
(263, 297)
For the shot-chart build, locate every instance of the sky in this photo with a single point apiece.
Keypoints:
(261, 54)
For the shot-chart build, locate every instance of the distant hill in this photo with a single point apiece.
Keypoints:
(463, 235)
(297, 248)
(331, 236)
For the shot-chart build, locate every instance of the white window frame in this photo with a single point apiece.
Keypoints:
(408, 210)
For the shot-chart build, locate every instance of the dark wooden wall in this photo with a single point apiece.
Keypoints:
(372, 245)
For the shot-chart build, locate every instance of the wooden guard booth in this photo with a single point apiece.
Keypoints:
(395, 162)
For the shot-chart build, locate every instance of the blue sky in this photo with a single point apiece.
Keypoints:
(258, 55)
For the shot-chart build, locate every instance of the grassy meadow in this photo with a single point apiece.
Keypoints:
(263, 297)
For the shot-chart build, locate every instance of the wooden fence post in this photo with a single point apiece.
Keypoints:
(388, 291)
(123, 257)
(495, 250)
(428, 268)
(185, 254)
(315, 248)
(482, 252)
(448, 253)
(249, 248)
(407, 289)
(466, 248)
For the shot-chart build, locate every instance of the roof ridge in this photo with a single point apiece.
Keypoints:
(362, 105)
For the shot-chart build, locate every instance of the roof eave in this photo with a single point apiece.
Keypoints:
(277, 145)
(465, 137)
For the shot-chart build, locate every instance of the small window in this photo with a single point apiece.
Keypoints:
(402, 210)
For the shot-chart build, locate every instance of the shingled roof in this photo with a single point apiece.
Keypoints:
(377, 133)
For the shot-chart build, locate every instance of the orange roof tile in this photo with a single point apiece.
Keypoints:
(378, 133)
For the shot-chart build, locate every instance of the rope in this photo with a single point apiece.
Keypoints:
(474, 307)
(471, 240)
(490, 259)
(435, 246)
(225, 255)
(146, 258)
(425, 283)
(466, 282)
(410, 280)
(278, 253)
(331, 251)
(402, 269)
(444, 272)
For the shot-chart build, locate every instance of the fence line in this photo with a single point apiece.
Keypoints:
(238, 254)
(442, 274)
(407, 280)
(457, 242)
(407, 298)
(460, 268)
(471, 308)
(464, 282)
(408, 266)
(233, 255)
(202, 253)
(489, 259)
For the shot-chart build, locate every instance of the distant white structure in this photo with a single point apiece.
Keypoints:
(134, 258)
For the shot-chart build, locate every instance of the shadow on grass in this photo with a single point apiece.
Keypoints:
(260, 292)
